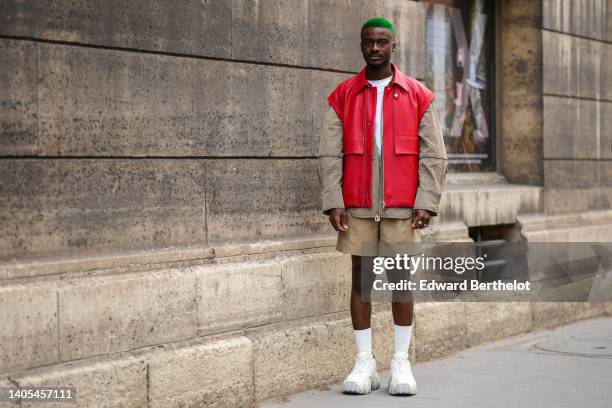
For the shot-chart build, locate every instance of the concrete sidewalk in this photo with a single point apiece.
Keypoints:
(570, 366)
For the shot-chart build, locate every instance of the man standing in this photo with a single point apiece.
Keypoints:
(382, 164)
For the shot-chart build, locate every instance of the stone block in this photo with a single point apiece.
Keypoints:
(440, 329)
(110, 204)
(213, 374)
(575, 185)
(110, 314)
(489, 204)
(195, 27)
(17, 97)
(582, 18)
(574, 66)
(237, 295)
(488, 321)
(608, 308)
(262, 198)
(28, 337)
(521, 100)
(261, 110)
(553, 314)
(301, 355)
(118, 383)
(575, 128)
(168, 106)
(106, 102)
(316, 284)
(323, 34)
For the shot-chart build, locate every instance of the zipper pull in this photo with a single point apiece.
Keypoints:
(377, 218)
(384, 205)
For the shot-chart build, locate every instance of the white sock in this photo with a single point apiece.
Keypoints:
(403, 334)
(363, 339)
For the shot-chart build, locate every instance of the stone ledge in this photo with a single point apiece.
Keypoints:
(281, 358)
(489, 204)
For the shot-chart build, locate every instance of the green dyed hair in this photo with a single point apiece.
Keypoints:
(379, 22)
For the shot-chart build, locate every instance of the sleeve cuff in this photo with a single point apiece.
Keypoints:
(332, 200)
(427, 200)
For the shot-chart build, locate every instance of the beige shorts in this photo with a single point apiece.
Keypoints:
(387, 237)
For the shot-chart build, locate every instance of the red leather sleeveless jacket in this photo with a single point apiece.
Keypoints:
(405, 102)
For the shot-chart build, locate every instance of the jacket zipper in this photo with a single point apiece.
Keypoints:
(363, 162)
(381, 187)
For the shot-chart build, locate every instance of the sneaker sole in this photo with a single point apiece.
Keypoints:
(354, 388)
(402, 389)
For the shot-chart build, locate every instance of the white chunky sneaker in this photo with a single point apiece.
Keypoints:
(402, 381)
(364, 377)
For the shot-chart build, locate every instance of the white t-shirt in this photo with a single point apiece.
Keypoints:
(380, 85)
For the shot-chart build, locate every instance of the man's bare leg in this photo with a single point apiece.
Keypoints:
(363, 378)
(361, 310)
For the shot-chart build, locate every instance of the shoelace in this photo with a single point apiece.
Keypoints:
(403, 366)
(361, 366)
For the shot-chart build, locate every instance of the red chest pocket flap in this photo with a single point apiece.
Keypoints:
(407, 144)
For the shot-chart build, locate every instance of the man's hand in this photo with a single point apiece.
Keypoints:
(337, 217)
(420, 219)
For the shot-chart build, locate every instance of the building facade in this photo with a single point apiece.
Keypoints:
(159, 201)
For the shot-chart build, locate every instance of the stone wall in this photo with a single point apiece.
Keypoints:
(577, 90)
(138, 125)
(520, 91)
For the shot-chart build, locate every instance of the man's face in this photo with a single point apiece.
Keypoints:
(376, 46)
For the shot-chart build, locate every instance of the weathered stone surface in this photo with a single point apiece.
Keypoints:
(323, 34)
(440, 329)
(316, 284)
(17, 97)
(591, 226)
(573, 185)
(4, 382)
(214, 374)
(520, 102)
(312, 33)
(69, 206)
(106, 102)
(167, 106)
(489, 204)
(237, 295)
(576, 66)
(318, 353)
(578, 129)
(196, 27)
(553, 314)
(109, 314)
(259, 198)
(589, 18)
(262, 110)
(119, 383)
(28, 337)
(489, 321)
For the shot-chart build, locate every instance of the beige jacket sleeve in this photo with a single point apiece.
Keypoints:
(433, 162)
(330, 162)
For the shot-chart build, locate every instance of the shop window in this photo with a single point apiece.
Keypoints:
(460, 70)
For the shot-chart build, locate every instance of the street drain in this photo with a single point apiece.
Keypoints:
(578, 346)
